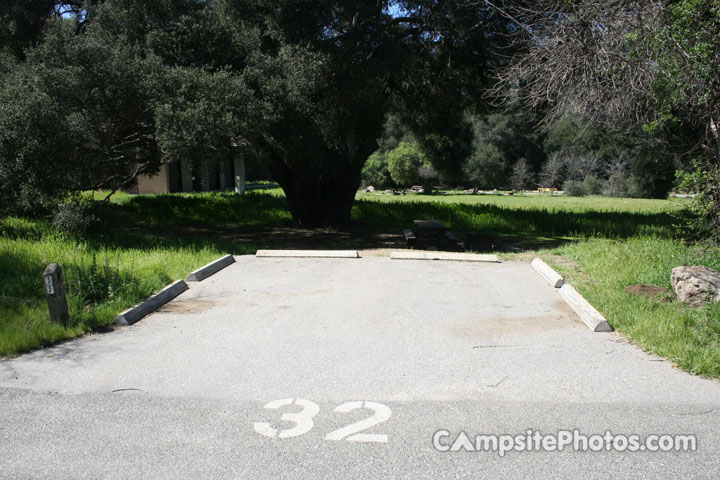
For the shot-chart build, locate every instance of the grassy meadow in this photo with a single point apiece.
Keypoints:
(600, 244)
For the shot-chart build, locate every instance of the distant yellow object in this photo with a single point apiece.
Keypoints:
(550, 190)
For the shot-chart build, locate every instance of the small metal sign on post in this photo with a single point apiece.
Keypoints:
(55, 293)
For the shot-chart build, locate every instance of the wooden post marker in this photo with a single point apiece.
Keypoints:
(55, 292)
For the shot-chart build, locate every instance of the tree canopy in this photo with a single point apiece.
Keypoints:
(308, 84)
(96, 92)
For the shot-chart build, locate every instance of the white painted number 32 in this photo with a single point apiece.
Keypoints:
(303, 421)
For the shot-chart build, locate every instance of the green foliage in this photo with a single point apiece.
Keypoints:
(198, 118)
(575, 188)
(75, 216)
(653, 174)
(98, 283)
(75, 115)
(486, 167)
(96, 98)
(500, 141)
(394, 132)
(21, 23)
(594, 185)
(573, 132)
(704, 181)
(375, 172)
(687, 49)
(404, 164)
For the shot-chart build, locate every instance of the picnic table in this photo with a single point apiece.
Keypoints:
(428, 229)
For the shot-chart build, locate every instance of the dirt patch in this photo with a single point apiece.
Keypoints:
(370, 240)
(518, 326)
(654, 292)
(351, 238)
(187, 306)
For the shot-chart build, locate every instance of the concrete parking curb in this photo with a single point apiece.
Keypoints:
(211, 268)
(547, 272)
(308, 254)
(152, 303)
(587, 313)
(460, 257)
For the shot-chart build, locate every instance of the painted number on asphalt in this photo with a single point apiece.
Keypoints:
(304, 423)
(302, 419)
(350, 433)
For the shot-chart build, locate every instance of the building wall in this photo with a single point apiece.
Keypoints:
(179, 177)
(156, 184)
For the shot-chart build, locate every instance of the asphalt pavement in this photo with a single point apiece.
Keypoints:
(355, 368)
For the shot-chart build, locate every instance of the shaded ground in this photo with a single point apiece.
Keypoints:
(357, 237)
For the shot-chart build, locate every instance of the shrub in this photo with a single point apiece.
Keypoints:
(574, 188)
(630, 187)
(75, 217)
(704, 181)
(594, 185)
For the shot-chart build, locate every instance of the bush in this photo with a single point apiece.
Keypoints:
(704, 181)
(75, 217)
(574, 188)
(630, 188)
(594, 185)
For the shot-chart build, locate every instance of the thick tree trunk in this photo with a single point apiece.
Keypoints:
(321, 194)
(325, 201)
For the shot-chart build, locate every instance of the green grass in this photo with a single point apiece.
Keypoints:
(529, 216)
(256, 207)
(533, 202)
(687, 336)
(103, 275)
(600, 244)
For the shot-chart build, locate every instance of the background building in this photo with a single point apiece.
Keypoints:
(194, 177)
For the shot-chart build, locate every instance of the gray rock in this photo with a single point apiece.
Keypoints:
(696, 285)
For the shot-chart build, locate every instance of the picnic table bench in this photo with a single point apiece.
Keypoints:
(428, 229)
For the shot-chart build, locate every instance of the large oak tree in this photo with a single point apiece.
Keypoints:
(304, 84)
